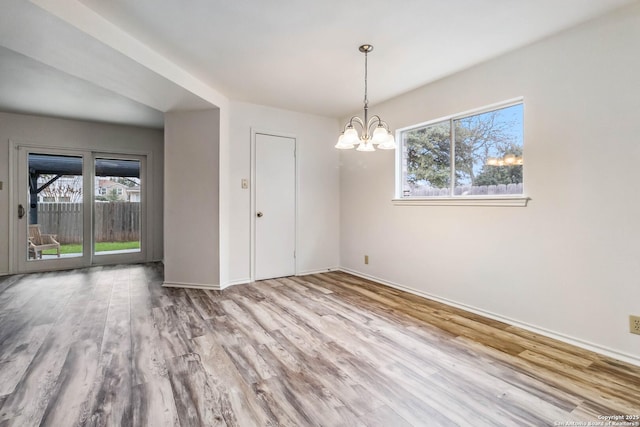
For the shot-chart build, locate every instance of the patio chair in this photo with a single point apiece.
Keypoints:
(39, 242)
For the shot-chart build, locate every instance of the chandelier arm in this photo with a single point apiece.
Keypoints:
(357, 120)
(373, 122)
(383, 124)
(377, 121)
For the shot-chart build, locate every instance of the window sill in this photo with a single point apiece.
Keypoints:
(519, 202)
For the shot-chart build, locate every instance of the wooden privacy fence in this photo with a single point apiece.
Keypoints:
(476, 190)
(114, 221)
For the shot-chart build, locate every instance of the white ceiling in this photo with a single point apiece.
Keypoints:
(292, 54)
(31, 87)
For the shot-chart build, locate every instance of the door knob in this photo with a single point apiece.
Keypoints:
(259, 214)
(21, 211)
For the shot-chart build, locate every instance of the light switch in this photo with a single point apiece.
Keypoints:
(244, 183)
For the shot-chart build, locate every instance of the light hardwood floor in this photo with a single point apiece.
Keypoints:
(109, 346)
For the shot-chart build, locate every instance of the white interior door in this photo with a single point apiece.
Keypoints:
(275, 206)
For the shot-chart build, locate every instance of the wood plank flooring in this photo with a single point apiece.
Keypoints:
(108, 346)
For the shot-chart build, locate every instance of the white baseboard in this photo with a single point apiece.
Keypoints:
(322, 270)
(191, 285)
(213, 287)
(246, 280)
(625, 357)
(235, 283)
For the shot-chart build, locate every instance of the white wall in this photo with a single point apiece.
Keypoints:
(191, 219)
(569, 263)
(60, 133)
(318, 188)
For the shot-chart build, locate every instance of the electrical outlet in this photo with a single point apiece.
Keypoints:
(634, 324)
(366, 259)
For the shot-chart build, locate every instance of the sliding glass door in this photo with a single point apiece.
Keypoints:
(76, 208)
(51, 210)
(118, 208)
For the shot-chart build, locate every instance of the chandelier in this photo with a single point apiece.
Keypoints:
(374, 130)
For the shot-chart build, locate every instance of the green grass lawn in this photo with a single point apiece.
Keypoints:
(100, 247)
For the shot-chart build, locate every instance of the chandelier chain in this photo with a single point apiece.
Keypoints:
(366, 101)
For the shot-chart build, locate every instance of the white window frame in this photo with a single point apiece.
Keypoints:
(452, 200)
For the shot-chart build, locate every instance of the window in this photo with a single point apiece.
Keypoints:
(468, 155)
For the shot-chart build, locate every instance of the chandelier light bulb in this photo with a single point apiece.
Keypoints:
(365, 146)
(509, 159)
(380, 135)
(341, 145)
(351, 136)
(389, 143)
